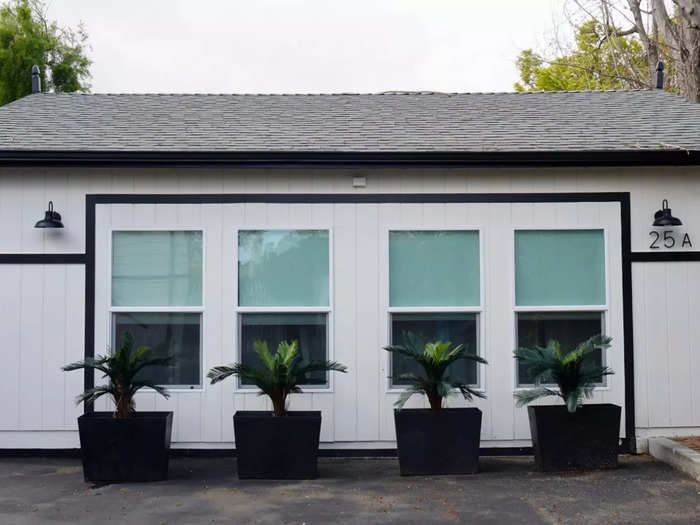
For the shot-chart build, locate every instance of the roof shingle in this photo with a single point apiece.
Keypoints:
(649, 120)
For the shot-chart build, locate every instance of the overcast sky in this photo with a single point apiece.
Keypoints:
(306, 46)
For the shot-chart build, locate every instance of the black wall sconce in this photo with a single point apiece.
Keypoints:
(663, 216)
(52, 219)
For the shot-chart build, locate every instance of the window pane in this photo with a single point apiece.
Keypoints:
(434, 268)
(459, 328)
(157, 268)
(283, 268)
(165, 333)
(559, 267)
(569, 328)
(309, 330)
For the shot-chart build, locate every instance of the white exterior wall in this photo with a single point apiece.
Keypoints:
(41, 330)
(667, 399)
(667, 348)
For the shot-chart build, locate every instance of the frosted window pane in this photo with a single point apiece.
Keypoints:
(157, 268)
(283, 268)
(559, 267)
(434, 268)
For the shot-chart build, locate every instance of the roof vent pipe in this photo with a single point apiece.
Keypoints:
(36, 79)
(659, 75)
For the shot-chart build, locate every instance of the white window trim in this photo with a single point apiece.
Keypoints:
(111, 310)
(601, 308)
(480, 386)
(328, 310)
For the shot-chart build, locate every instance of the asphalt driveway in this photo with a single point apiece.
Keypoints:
(361, 491)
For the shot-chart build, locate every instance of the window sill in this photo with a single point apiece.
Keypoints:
(256, 391)
(601, 388)
(399, 390)
(176, 390)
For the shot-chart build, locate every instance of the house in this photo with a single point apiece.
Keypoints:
(200, 223)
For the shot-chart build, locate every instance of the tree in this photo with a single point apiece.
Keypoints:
(593, 64)
(680, 35)
(28, 38)
(617, 45)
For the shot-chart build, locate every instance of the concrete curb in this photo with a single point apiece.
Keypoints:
(677, 455)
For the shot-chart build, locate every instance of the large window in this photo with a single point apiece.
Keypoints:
(560, 289)
(284, 293)
(434, 294)
(157, 297)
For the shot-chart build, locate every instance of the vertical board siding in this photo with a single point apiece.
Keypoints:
(31, 351)
(666, 298)
(666, 340)
(367, 342)
(499, 337)
(10, 330)
(214, 263)
(359, 409)
(42, 330)
(344, 337)
(25, 192)
(75, 342)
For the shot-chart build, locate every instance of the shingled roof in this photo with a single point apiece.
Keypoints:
(581, 121)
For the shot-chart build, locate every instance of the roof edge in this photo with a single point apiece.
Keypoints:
(343, 158)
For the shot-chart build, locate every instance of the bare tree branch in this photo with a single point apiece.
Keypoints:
(690, 10)
(666, 26)
(636, 82)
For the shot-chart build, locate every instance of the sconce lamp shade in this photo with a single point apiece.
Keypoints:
(52, 219)
(663, 216)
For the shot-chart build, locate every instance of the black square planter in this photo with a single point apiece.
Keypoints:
(277, 447)
(133, 449)
(438, 442)
(586, 439)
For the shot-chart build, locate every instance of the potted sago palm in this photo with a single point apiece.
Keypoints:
(124, 445)
(573, 435)
(281, 444)
(436, 440)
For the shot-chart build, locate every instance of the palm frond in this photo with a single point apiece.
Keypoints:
(469, 392)
(97, 363)
(263, 352)
(587, 347)
(155, 361)
(138, 385)
(287, 352)
(281, 373)
(434, 358)
(405, 395)
(92, 394)
(572, 371)
(529, 395)
(320, 366)
(121, 367)
(221, 372)
(466, 355)
(402, 350)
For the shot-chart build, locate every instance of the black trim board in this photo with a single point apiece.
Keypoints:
(675, 256)
(628, 444)
(231, 452)
(634, 157)
(42, 258)
(89, 328)
(355, 198)
(628, 320)
(80, 258)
